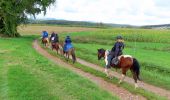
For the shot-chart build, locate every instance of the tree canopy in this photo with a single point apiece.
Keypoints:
(15, 12)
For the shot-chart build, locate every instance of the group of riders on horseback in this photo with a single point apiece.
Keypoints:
(113, 58)
(113, 54)
(65, 48)
(54, 39)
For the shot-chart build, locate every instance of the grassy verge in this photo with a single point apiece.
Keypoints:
(26, 75)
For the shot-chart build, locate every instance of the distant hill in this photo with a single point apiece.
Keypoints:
(162, 26)
(52, 21)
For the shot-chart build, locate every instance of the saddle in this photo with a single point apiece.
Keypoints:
(114, 62)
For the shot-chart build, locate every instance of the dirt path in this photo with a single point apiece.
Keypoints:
(113, 89)
(154, 89)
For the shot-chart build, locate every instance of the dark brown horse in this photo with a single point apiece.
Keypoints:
(45, 41)
(71, 52)
(126, 62)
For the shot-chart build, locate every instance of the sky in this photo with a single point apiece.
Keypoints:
(133, 12)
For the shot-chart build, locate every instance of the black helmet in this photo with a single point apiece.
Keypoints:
(119, 37)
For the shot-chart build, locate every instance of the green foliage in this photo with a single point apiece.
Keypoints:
(14, 12)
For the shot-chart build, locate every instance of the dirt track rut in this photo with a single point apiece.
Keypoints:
(151, 88)
(113, 89)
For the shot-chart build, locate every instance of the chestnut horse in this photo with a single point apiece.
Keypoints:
(71, 52)
(44, 41)
(125, 62)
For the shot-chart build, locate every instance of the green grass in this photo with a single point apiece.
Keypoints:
(26, 75)
(138, 35)
(156, 70)
(150, 47)
(139, 91)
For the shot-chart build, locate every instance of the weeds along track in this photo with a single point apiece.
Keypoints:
(113, 89)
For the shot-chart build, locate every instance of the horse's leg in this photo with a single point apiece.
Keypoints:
(107, 70)
(68, 56)
(45, 44)
(135, 78)
(57, 50)
(124, 70)
(56, 47)
(52, 46)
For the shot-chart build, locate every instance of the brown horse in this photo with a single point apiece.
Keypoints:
(55, 46)
(45, 41)
(125, 62)
(71, 52)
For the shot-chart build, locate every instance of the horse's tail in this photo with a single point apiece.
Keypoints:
(73, 55)
(136, 68)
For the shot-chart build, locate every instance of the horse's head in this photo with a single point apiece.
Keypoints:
(101, 53)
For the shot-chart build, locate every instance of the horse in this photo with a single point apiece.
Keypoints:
(125, 62)
(55, 46)
(44, 41)
(67, 54)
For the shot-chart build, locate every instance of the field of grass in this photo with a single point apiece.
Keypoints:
(150, 47)
(130, 35)
(26, 75)
(37, 29)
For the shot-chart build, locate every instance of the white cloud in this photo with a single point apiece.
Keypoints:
(135, 12)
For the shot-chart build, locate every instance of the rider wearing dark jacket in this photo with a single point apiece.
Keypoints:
(54, 38)
(117, 49)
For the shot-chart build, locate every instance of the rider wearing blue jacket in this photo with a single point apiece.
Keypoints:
(68, 44)
(44, 34)
(68, 40)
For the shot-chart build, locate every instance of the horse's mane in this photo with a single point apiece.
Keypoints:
(107, 52)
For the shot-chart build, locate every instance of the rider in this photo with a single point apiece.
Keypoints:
(67, 44)
(54, 38)
(117, 49)
(45, 35)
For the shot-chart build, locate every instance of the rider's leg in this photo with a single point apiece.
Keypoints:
(115, 60)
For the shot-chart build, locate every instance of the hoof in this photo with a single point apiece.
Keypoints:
(111, 77)
(136, 86)
(120, 82)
